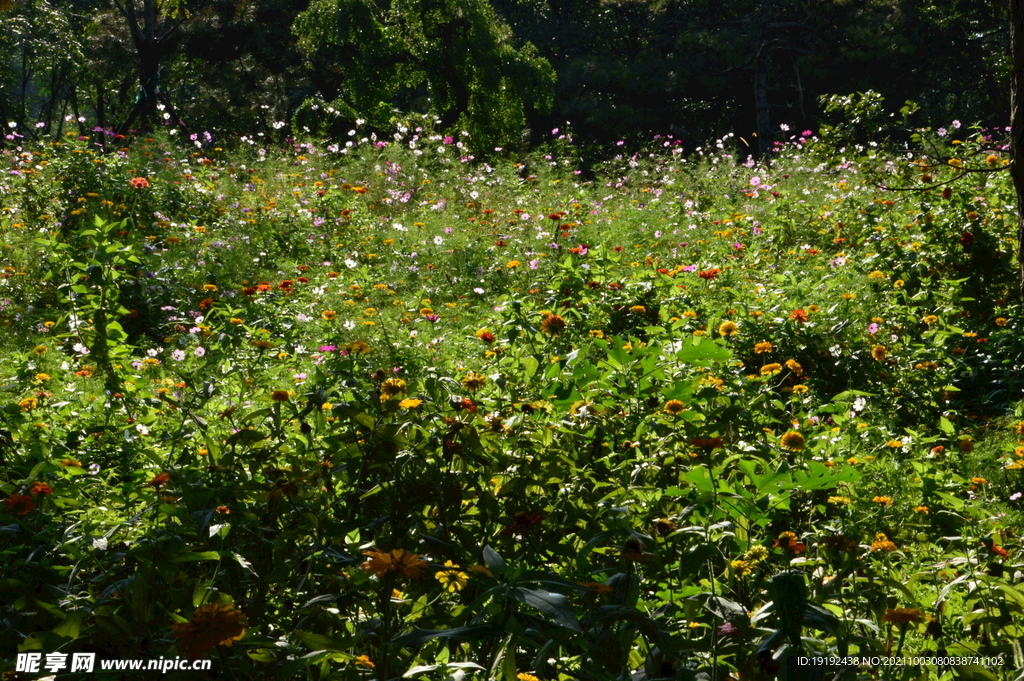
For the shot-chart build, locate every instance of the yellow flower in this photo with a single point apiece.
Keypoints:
(762, 348)
(473, 381)
(674, 406)
(839, 501)
(28, 404)
(882, 543)
(903, 616)
(409, 565)
(923, 510)
(210, 626)
(882, 501)
(43, 377)
(899, 283)
(879, 352)
(365, 661)
(1002, 321)
(527, 677)
(794, 441)
(410, 403)
(795, 367)
(728, 329)
(770, 369)
(847, 296)
(453, 580)
(741, 567)
(328, 315)
(391, 388)
(512, 264)
(876, 275)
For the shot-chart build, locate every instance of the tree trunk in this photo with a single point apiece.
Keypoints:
(1017, 126)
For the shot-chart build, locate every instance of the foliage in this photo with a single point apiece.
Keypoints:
(366, 408)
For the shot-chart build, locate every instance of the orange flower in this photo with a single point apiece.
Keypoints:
(139, 182)
(798, 316)
(409, 565)
(279, 395)
(159, 480)
(793, 440)
(210, 626)
(788, 540)
(903, 616)
(41, 488)
(19, 504)
(553, 325)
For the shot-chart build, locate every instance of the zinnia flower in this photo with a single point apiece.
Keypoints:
(879, 352)
(903, 616)
(728, 329)
(882, 543)
(19, 504)
(139, 183)
(409, 565)
(553, 325)
(794, 441)
(674, 407)
(210, 626)
(473, 381)
(762, 348)
(279, 395)
(391, 387)
(159, 480)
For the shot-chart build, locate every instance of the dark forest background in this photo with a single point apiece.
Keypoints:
(507, 71)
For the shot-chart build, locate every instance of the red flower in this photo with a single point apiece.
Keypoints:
(998, 550)
(521, 523)
(41, 488)
(708, 443)
(798, 316)
(966, 239)
(709, 274)
(19, 504)
(487, 337)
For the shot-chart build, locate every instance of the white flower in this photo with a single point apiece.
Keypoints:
(349, 325)
(350, 263)
(438, 241)
(278, 125)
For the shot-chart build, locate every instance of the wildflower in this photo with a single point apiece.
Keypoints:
(965, 445)
(638, 309)
(512, 264)
(410, 403)
(19, 504)
(279, 395)
(674, 407)
(998, 550)
(882, 501)
(364, 661)
(453, 580)
(634, 551)
(553, 325)
(328, 315)
(728, 329)
(793, 441)
(28, 404)
(882, 543)
(709, 274)
(788, 540)
(795, 367)
(903, 616)
(159, 480)
(771, 369)
(876, 275)
(840, 501)
(798, 316)
(391, 388)
(42, 377)
(527, 677)
(40, 350)
(663, 527)
(139, 183)
(409, 565)
(41, 489)
(68, 463)
(597, 587)
(210, 626)
(486, 336)
(741, 567)
(879, 353)
(521, 523)
(473, 381)
(763, 348)
(979, 481)
(923, 510)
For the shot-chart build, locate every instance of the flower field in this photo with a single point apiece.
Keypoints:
(378, 407)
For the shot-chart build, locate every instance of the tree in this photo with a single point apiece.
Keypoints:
(1017, 124)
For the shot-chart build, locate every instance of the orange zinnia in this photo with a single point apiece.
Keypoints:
(210, 626)
(409, 565)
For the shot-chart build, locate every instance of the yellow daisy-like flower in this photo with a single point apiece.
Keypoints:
(876, 275)
(512, 264)
(793, 441)
(674, 407)
(728, 329)
(473, 381)
(771, 369)
(882, 501)
(453, 579)
(410, 403)
(879, 352)
(882, 543)
(328, 315)
(762, 348)
(391, 388)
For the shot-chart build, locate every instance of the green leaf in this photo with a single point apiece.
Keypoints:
(555, 606)
(193, 557)
(418, 637)
(321, 642)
